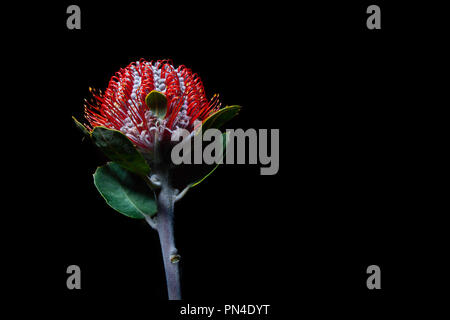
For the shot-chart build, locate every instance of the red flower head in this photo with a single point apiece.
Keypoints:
(123, 105)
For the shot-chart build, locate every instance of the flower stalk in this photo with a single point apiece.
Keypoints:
(164, 225)
(165, 228)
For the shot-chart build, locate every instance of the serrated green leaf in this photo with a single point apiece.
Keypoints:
(220, 117)
(124, 191)
(157, 103)
(118, 148)
(81, 127)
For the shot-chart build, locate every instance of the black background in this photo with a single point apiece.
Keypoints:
(343, 199)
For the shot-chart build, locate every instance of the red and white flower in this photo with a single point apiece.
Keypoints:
(122, 106)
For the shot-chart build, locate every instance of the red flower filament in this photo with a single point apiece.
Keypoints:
(122, 106)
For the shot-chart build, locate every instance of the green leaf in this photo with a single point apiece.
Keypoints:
(157, 103)
(220, 117)
(225, 141)
(81, 127)
(192, 174)
(117, 147)
(124, 191)
(216, 120)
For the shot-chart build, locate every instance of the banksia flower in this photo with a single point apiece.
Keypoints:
(123, 105)
(133, 122)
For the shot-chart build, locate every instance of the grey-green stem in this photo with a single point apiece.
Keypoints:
(165, 221)
(164, 224)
